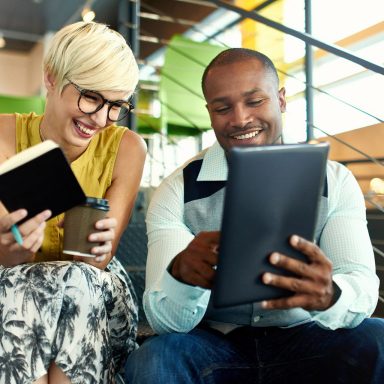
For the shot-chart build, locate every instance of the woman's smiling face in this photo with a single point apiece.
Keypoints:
(72, 125)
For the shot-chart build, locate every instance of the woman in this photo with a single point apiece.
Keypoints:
(63, 319)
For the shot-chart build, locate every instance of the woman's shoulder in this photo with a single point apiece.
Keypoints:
(18, 118)
(7, 136)
(120, 139)
(132, 150)
(133, 138)
(7, 120)
(132, 145)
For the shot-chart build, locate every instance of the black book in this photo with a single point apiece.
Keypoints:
(39, 178)
(272, 193)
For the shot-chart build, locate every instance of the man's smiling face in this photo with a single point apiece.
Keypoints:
(244, 104)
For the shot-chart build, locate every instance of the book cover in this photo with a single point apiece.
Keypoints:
(39, 178)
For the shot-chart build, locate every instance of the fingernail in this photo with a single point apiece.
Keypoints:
(5, 242)
(267, 278)
(275, 258)
(99, 225)
(93, 237)
(47, 214)
(294, 240)
(100, 258)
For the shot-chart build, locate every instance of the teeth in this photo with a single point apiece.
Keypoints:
(247, 135)
(83, 129)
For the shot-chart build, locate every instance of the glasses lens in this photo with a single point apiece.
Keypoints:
(90, 102)
(119, 111)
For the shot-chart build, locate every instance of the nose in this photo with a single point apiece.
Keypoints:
(101, 116)
(240, 116)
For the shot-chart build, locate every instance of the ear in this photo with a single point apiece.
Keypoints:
(282, 100)
(49, 81)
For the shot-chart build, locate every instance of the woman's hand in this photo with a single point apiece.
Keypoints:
(32, 232)
(103, 238)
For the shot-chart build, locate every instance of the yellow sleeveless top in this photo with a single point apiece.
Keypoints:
(93, 170)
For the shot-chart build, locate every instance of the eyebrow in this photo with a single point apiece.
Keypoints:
(80, 89)
(244, 94)
(111, 101)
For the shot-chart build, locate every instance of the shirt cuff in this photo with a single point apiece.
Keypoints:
(336, 316)
(184, 294)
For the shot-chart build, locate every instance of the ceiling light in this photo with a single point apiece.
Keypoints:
(87, 14)
(377, 185)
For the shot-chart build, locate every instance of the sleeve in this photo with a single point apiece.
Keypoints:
(346, 242)
(170, 306)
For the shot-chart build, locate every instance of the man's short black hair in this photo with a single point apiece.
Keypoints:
(233, 55)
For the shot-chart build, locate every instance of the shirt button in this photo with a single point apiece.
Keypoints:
(256, 319)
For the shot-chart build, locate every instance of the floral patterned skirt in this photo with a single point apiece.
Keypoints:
(79, 317)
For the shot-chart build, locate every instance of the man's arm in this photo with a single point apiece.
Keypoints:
(170, 305)
(345, 239)
(344, 259)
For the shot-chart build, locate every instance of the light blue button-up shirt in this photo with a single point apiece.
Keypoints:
(172, 306)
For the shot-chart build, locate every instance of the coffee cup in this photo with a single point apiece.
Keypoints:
(79, 223)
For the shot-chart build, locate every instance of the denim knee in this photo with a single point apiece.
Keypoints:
(159, 359)
(363, 352)
(177, 358)
(369, 337)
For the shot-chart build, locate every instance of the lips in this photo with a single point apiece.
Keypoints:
(248, 135)
(83, 130)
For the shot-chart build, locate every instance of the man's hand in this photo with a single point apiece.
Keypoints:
(194, 265)
(312, 285)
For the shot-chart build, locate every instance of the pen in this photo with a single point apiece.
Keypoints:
(16, 234)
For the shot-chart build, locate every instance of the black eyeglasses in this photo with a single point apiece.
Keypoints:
(90, 102)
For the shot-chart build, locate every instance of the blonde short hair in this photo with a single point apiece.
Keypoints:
(93, 56)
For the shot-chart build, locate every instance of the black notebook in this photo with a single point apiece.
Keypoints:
(272, 192)
(39, 178)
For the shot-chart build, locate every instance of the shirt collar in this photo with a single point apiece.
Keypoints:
(214, 167)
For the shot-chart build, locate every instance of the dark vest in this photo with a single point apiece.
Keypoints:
(203, 208)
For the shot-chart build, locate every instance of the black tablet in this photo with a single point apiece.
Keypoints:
(272, 192)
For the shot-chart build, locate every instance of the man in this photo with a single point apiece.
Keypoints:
(320, 334)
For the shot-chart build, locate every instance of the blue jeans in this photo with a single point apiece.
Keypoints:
(303, 354)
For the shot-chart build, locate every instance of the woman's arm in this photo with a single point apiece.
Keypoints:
(121, 194)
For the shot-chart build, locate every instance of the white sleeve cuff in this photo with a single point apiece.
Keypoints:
(183, 294)
(338, 315)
